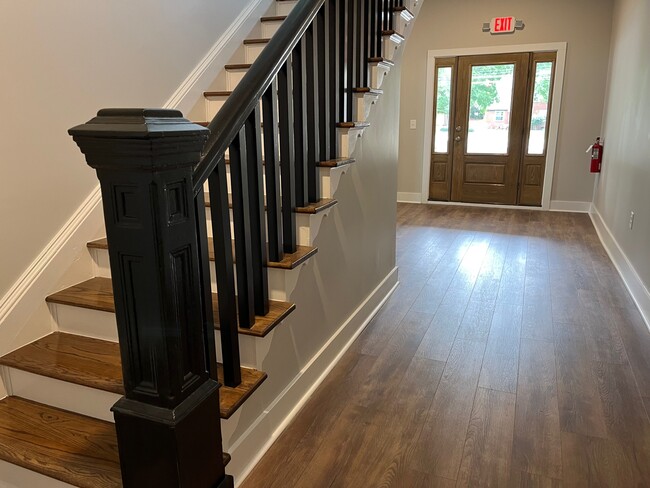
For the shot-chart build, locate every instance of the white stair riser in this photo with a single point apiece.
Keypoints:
(401, 21)
(378, 73)
(330, 178)
(284, 8)
(249, 350)
(252, 52)
(363, 104)
(233, 77)
(212, 106)
(101, 325)
(348, 140)
(270, 28)
(391, 45)
(84, 321)
(68, 396)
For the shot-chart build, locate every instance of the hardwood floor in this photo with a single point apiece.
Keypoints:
(510, 355)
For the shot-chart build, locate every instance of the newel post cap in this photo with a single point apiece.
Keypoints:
(140, 139)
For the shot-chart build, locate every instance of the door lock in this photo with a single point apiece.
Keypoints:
(457, 139)
(458, 128)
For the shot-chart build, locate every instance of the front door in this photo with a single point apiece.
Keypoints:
(487, 130)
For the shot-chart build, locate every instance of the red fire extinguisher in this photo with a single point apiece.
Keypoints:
(596, 156)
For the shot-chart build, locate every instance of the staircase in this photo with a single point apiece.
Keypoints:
(240, 223)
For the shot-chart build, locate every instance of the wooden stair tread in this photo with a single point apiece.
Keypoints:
(392, 32)
(278, 311)
(403, 8)
(314, 208)
(63, 445)
(223, 93)
(97, 294)
(273, 18)
(367, 89)
(69, 447)
(230, 399)
(290, 261)
(336, 163)
(65, 357)
(238, 66)
(257, 41)
(379, 59)
(71, 358)
(311, 208)
(353, 125)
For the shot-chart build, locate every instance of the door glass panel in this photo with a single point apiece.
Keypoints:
(441, 139)
(490, 106)
(539, 114)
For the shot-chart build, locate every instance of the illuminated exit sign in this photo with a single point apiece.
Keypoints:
(503, 25)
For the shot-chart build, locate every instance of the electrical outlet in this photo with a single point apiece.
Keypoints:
(631, 220)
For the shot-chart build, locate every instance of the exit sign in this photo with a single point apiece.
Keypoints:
(502, 25)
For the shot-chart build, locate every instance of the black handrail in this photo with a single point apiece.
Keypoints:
(225, 126)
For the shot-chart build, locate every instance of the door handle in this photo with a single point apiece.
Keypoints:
(458, 128)
(457, 139)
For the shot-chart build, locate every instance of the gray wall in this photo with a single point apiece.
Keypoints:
(449, 24)
(623, 183)
(62, 61)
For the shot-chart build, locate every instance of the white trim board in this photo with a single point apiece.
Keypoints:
(405, 197)
(633, 282)
(253, 444)
(567, 206)
(554, 121)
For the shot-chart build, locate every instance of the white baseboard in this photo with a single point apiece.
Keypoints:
(570, 206)
(407, 197)
(251, 446)
(633, 282)
(206, 71)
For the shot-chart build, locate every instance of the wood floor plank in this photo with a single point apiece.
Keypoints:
(394, 361)
(500, 367)
(625, 415)
(581, 410)
(439, 337)
(521, 479)
(385, 456)
(285, 461)
(68, 447)
(636, 339)
(477, 320)
(592, 461)
(439, 448)
(537, 442)
(488, 446)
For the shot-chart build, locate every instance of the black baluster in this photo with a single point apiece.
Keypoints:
(225, 274)
(241, 208)
(287, 156)
(299, 72)
(313, 121)
(258, 226)
(334, 53)
(342, 11)
(359, 43)
(272, 171)
(323, 67)
(350, 51)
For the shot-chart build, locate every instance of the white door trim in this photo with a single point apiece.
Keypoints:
(554, 121)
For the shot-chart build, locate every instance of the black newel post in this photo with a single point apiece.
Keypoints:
(167, 423)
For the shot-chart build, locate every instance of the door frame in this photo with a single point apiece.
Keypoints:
(560, 48)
